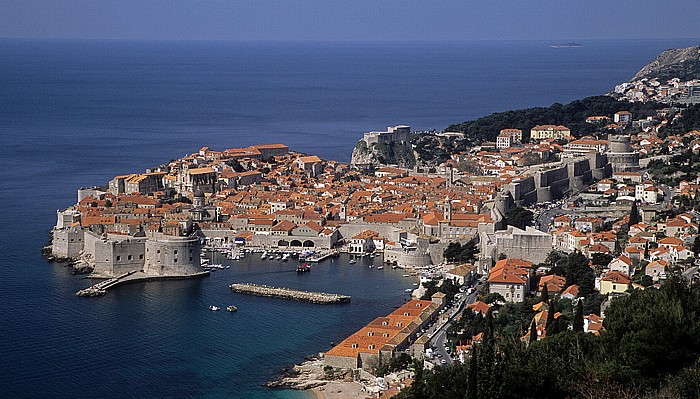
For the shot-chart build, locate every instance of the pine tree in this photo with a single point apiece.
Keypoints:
(544, 297)
(533, 331)
(578, 317)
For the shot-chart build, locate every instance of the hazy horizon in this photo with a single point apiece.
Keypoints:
(362, 20)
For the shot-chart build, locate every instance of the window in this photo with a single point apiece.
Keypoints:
(129, 257)
(370, 346)
(354, 345)
(158, 251)
(176, 252)
(119, 258)
(175, 260)
(140, 256)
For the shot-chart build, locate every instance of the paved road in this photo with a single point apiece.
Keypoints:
(440, 335)
(547, 216)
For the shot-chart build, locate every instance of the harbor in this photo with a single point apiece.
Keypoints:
(288, 293)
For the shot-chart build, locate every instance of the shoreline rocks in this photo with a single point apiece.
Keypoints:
(308, 375)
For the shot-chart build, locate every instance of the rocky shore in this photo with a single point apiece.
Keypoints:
(309, 374)
(79, 266)
(321, 382)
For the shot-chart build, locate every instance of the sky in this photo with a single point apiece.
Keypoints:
(350, 20)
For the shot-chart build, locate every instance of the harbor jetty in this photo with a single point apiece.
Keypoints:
(288, 293)
(133, 276)
(322, 255)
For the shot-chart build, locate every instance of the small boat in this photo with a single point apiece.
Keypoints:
(371, 266)
(407, 275)
(380, 268)
(279, 257)
(408, 290)
(285, 257)
(394, 267)
(303, 268)
(415, 284)
(214, 308)
(231, 308)
(228, 266)
(352, 261)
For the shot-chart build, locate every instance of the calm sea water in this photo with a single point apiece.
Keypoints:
(76, 113)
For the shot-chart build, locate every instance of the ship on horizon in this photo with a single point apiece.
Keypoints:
(566, 45)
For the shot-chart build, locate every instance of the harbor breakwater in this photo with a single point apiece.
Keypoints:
(288, 293)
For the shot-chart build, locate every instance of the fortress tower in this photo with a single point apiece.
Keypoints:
(621, 155)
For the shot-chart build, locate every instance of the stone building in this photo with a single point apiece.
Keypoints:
(621, 155)
(394, 134)
(384, 337)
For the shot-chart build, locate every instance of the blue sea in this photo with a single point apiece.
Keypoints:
(77, 113)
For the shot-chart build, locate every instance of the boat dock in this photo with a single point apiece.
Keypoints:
(288, 293)
(321, 256)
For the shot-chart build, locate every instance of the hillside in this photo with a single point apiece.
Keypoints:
(681, 63)
(572, 115)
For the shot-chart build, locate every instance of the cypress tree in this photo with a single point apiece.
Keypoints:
(578, 317)
(550, 326)
(471, 377)
(634, 215)
(533, 331)
(544, 296)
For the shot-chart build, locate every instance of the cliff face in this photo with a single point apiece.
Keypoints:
(681, 63)
(383, 154)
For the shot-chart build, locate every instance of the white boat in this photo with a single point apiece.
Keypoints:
(370, 266)
(408, 290)
(352, 261)
(380, 268)
(285, 257)
(231, 308)
(214, 308)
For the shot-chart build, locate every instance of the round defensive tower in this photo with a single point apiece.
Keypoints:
(172, 256)
(621, 155)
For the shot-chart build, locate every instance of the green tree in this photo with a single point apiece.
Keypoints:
(634, 215)
(577, 325)
(551, 325)
(519, 217)
(533, 332)
(544, 297)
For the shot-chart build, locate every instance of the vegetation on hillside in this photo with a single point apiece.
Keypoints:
(572, 115)
(650, 348)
